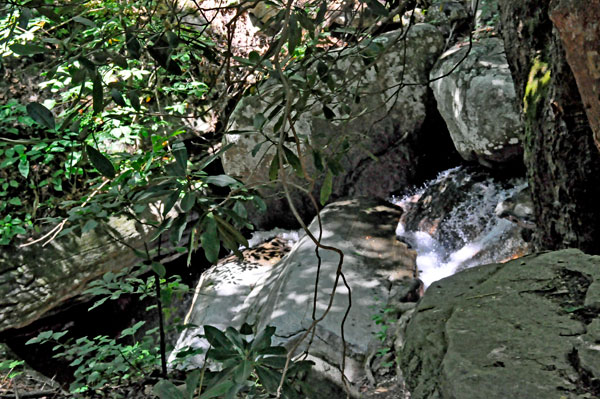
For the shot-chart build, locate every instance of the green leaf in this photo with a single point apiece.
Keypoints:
(293, 160)
(259, 121)
(216, 338)
(159, 269)
(24, 167)
(24, 18)
(254, 57)
(274, 168)
(89, 225)
(133, 45)
(181, 156)
(178, 228)
(322, 70)
(295, 34)
(15, 201)
(317, 159)
(209, 239)
(191, 382)
(326, 188)
(119, 60)
(221, 180)
(84, 21)
(240, 209)
(134, 99)
(41, 115)
(377, 8)
(232, 231)
(276, 362)
(100, 162)
(97, 94)
(165, 389)
(328, 112)
(242, 371)
(117, 97)
(216, 390)
(27, 49)
(263, 339)
(188, 201)
(268, 378)
(170, 202)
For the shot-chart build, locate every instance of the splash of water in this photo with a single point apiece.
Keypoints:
(495, 240)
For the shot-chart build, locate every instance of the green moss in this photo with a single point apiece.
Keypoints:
(536, 89)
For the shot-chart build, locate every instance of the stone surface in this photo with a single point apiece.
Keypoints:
(35, 279)
(478, 102)
(524, 329)
(560, 154)
(381, 133)
(378, 269)
(577, 25)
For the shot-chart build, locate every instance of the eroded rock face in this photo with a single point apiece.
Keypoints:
(524, 329)
(381, 134)
(377, 267)
(36, 279)
(478, 102)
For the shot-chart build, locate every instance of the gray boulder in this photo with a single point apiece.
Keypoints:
(377, 268)
(478, 102)
(524, 329)
(36, 279)
(376, 126)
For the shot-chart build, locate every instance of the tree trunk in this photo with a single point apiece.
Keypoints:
(563, 164)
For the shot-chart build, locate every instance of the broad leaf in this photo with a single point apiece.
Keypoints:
(178, 228)
(134, 99)
(216, 338)
(326, 188)
(181, 155)
(133, 45)
(295, 34)
(27, 49)
(97, 95)
(100, 162)
(209, 238)
(221, 180)
(217, 390)
(41, 115)
(274, 168)
(242, 371)
(268, 378)
(263, 339)
(159, 269)
(188, 201)
(293, 160)
(117, 97)
(84, 21)
(165, 389)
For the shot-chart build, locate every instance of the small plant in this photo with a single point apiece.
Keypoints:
(380, 319)
(249, 368)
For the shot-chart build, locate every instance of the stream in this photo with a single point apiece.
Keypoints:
(459, 228)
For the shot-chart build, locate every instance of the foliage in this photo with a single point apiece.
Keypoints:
(107, 132)
(248, 368)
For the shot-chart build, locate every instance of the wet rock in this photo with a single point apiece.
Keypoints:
(478, 102)
(524, 329)
(518, 208)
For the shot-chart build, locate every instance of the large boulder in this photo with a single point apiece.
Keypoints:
(524, 329)
(377, 127)
(478, 102)
(38, 278)
(377, 268)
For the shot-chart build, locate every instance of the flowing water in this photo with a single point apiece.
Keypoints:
(469, 233)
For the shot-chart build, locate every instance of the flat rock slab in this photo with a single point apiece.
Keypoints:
(527, 329)
(377, 267)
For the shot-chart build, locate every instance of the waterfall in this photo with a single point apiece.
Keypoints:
(452, 224)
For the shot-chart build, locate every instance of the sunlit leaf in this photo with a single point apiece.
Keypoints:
(326, 188)
(221, 180)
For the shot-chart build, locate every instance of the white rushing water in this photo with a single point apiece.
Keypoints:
(495, 241)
